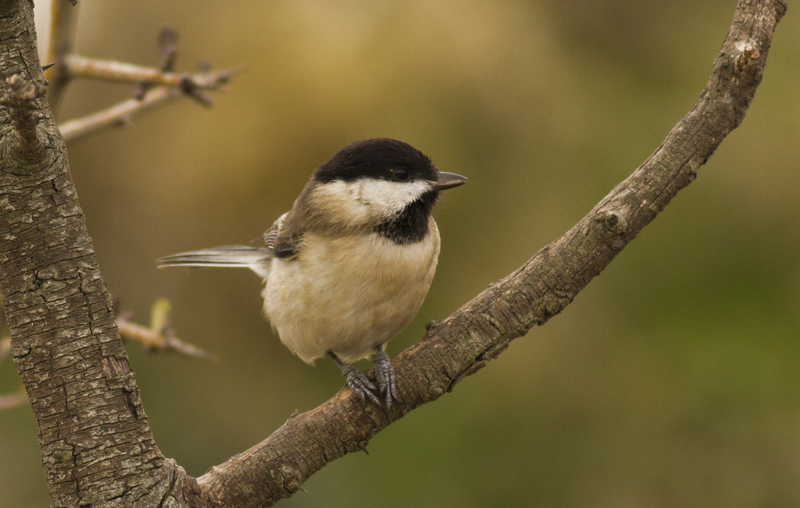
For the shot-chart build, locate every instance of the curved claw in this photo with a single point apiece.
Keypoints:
(384, 373)
(359, 383)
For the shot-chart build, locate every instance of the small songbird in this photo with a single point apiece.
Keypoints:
(347, 268)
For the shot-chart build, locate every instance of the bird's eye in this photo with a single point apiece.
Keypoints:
(400, 174)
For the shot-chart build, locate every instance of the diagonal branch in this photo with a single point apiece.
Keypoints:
(119, 114)
(481, 329)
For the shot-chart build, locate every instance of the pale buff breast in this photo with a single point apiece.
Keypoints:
(348, 295)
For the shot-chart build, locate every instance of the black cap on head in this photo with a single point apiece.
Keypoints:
(382, 158)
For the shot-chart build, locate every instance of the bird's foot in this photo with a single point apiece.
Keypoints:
(358, 382)
(384, 374)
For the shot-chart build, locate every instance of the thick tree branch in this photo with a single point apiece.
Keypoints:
(480, 330)
(159, 337)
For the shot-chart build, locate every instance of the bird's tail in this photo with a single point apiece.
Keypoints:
(230, 256)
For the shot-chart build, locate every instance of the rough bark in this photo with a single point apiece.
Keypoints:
(96, 446)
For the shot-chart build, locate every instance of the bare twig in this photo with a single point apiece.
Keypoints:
(159, 336)
(168, 45)
(63, 22)
(116, 115)
(12, 400)
(109, 70)
(5, 349)
(121, 113)
(158, 341)
(20, 99)
(168, 84)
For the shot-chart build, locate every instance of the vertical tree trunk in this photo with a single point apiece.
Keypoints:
(95, 441)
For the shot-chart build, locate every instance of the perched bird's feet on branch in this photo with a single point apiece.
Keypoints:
(384, 373)
(356, 380)
(359, 383)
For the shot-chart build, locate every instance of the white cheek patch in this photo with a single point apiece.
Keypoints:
(390, 197)
(363, 199)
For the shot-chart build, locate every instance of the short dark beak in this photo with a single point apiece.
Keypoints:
(448, 181)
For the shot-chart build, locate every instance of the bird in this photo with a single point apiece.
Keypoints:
(347, 268)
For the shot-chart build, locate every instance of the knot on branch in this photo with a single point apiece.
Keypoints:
(293, 485)
(615, 226)
(193, 85)
(22, 92)
(189, 86)
(748, 60)
(20, 99)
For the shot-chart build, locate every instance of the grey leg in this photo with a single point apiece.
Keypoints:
(356, 379)
(384, 373)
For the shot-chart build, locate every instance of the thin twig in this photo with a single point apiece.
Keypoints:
(159, 336)
(120, 114)
(12, 400)
(109, 70)
(69, 65)
(5, 349)
(156, 341)
(168, 46)
(63, 22)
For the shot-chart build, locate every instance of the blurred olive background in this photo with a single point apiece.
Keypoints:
(673, 380)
